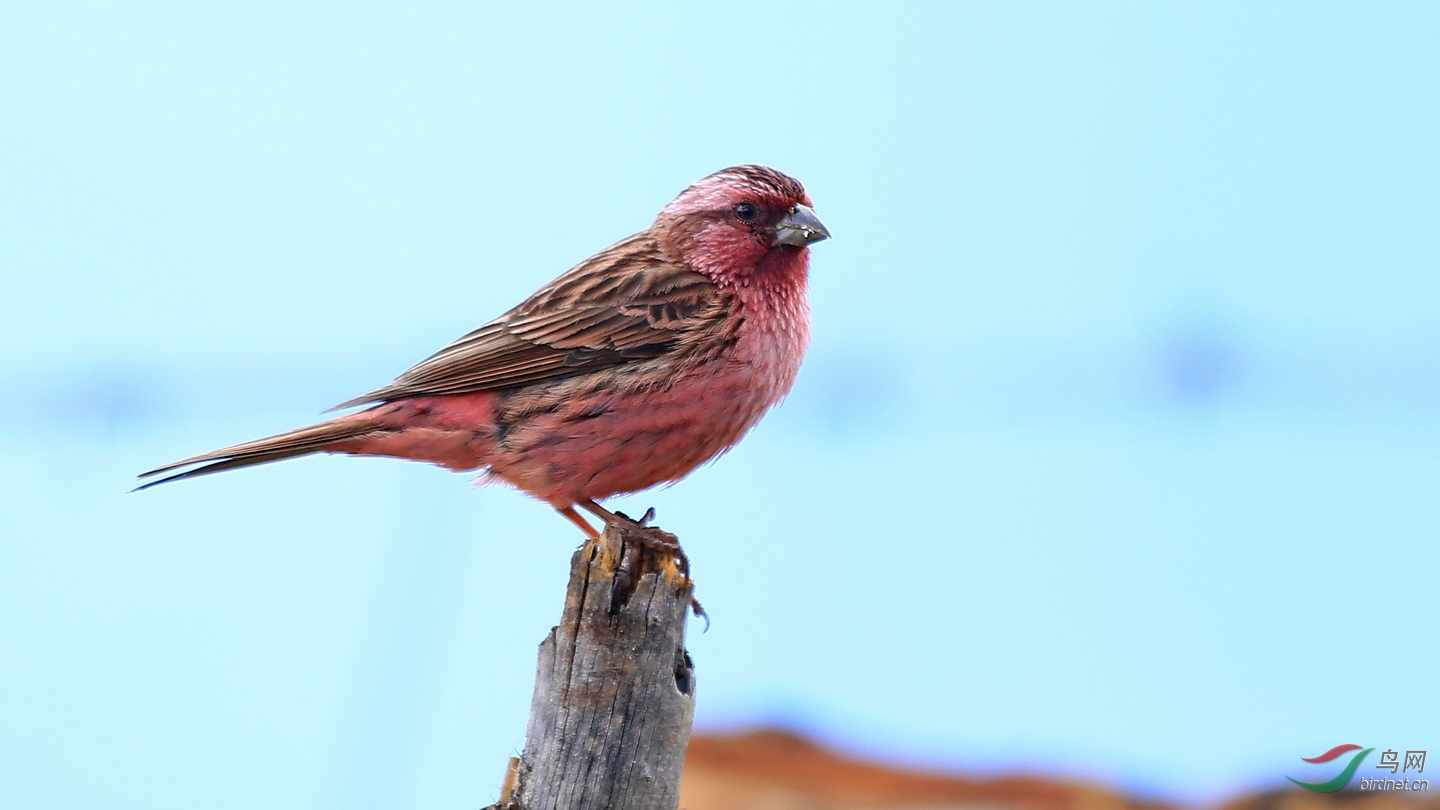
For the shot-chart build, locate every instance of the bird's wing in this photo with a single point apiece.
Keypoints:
(625, 304)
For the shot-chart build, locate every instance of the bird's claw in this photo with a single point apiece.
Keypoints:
(653, 537)
(647, 538)
(700, 613)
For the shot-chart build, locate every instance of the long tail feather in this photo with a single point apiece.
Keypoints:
(304, 441)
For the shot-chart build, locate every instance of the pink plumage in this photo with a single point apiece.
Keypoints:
(633, 368)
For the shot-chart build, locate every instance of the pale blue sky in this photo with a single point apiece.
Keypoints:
(1115, 455)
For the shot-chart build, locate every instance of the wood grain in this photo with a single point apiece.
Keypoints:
(615, 689)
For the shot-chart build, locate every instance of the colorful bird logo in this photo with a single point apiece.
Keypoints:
(1341, 779)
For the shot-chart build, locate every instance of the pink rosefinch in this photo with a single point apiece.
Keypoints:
(638, 365)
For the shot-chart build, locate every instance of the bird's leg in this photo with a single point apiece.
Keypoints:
(597, 510)
(584, 525)
(610, 517)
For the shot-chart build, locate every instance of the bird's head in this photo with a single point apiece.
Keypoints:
(742, 225)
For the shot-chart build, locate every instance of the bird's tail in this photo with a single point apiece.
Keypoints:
(302, 442)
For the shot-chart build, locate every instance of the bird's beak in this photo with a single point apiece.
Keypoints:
(799, 228)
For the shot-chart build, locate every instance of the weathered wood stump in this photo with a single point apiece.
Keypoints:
(615, 691)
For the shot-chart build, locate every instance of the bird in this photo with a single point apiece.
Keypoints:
(633, 368)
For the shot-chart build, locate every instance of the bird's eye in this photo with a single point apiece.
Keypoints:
(746, 212)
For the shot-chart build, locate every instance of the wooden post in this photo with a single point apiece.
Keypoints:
(615, 690)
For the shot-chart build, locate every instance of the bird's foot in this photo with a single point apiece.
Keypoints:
(639, 538)
(658, 540)
(653, 538)
(644, 546)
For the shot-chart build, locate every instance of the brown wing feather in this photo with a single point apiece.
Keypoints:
(626, 303)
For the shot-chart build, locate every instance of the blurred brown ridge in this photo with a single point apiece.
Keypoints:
(778, 770)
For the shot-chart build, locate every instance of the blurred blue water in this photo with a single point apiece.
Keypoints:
(1115, 454)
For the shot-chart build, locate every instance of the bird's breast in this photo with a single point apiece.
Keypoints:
(608, 433)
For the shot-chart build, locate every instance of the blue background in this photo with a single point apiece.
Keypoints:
(1115, 454)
